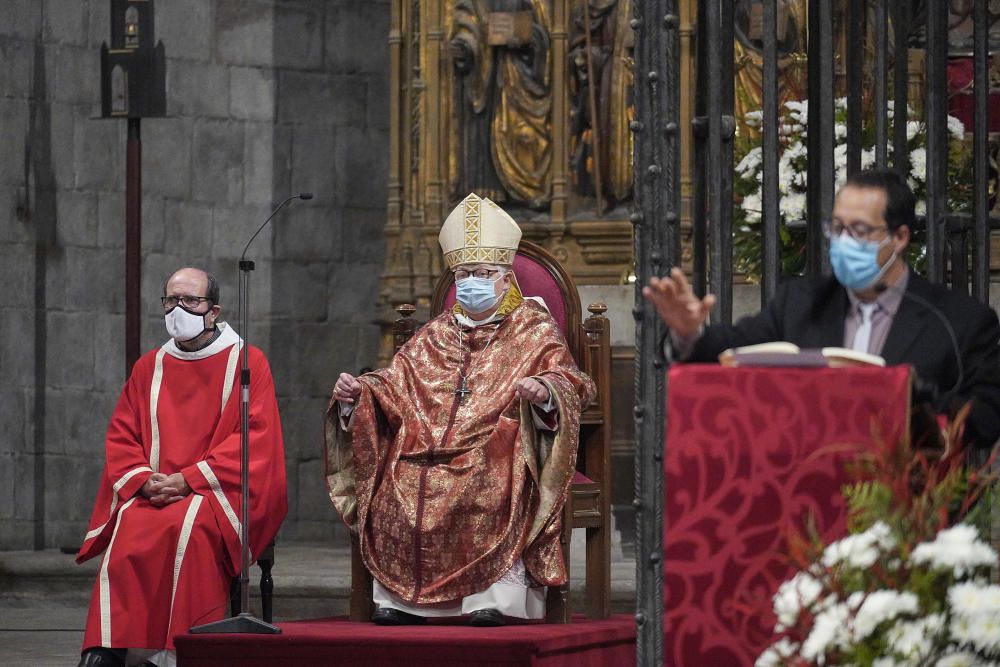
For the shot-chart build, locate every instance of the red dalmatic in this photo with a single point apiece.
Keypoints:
(165, 569)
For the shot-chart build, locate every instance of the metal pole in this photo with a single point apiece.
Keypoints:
(980, 153)
(719, 207)
(937, 136)
(657, 248)
(881, 30)
(900, 72)
(855, 82)
(821, 135)
(133, 243)
(699, 133)
(770, 220)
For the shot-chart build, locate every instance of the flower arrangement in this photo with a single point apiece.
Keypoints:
(792, 179)
(909, 585)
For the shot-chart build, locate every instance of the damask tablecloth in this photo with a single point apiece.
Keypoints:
(748, 457)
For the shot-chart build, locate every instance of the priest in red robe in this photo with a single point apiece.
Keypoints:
(167, 515)
(452, 465)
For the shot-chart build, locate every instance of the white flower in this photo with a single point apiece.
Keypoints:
(912, 128)
(918, 164)
(976, 614)
(880, 606)
(752, 207)
(957, 548)
(960, 659)
(751, 162)
(777, 653)
(867, 157)
(921, 207)
(956, 128)
(860, 550)
(888, 662)
(914, 639)
(793, 206)
(799, 592)
(829, 631)
(840, 133)
(753, 118)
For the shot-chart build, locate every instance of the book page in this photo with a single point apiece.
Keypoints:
(842, 356)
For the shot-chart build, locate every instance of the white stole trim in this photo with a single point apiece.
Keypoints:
(154, 398)
(227, 337)
(227, 384)
(104, 585)
(114, 498)
(213, 482)
(182, 543)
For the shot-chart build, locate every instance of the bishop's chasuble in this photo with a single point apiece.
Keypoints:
(448, 489)
(167, 568)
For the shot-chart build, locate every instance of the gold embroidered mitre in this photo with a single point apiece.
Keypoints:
(478, 232)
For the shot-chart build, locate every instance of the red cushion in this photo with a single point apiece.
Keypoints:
(580, 478)
(535, 280)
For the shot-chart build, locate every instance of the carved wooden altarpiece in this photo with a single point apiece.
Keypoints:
(496, 97)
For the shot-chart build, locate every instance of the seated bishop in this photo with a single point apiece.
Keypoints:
(452, 465)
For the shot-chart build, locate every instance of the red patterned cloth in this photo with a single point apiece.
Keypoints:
(744, 465)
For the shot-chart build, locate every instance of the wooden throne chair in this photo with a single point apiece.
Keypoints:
(588, 504)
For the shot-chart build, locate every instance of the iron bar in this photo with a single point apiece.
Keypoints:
(980, 154)
(770, 220)
(821, 133)
(900, 74)
(937, 136)
(727, 35)
(855, 81)
(720, 261)
(881, 93)
(699, 131)
(657, 248)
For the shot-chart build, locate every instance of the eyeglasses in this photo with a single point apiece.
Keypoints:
(186, 301)
(860, 231)
(461, 274)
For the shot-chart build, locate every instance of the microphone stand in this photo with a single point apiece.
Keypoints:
(245, 622)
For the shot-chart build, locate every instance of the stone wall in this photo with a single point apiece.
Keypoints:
(265, 98)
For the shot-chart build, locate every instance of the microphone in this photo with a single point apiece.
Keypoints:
(302, 195)
(921, 386)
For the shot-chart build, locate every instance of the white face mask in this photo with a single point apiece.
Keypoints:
(183, 325)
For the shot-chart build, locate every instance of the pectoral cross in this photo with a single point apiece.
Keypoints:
(462, 390)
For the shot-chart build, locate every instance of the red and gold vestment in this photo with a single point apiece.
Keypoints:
(446, 492)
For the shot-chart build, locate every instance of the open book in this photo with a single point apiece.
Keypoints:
(782, 353)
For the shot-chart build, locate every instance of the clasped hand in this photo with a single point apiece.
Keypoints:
(164, 489)
(347, 389)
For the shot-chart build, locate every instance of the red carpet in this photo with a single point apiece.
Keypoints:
(333, 641)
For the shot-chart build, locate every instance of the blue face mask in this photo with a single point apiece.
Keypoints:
(476, 295)
(855, 263)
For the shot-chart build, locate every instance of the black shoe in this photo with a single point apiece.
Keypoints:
(486, 618)
(102, 657)
(390, 616)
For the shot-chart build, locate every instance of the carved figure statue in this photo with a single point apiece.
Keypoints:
(601, 66)
(501, 60)
(748, 54)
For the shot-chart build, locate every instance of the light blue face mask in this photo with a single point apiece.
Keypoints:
(855, 263)
(476, 295)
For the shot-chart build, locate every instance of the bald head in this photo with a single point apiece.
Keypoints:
(192, 282)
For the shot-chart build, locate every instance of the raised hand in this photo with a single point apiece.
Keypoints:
(676, 303)
(347, 389)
